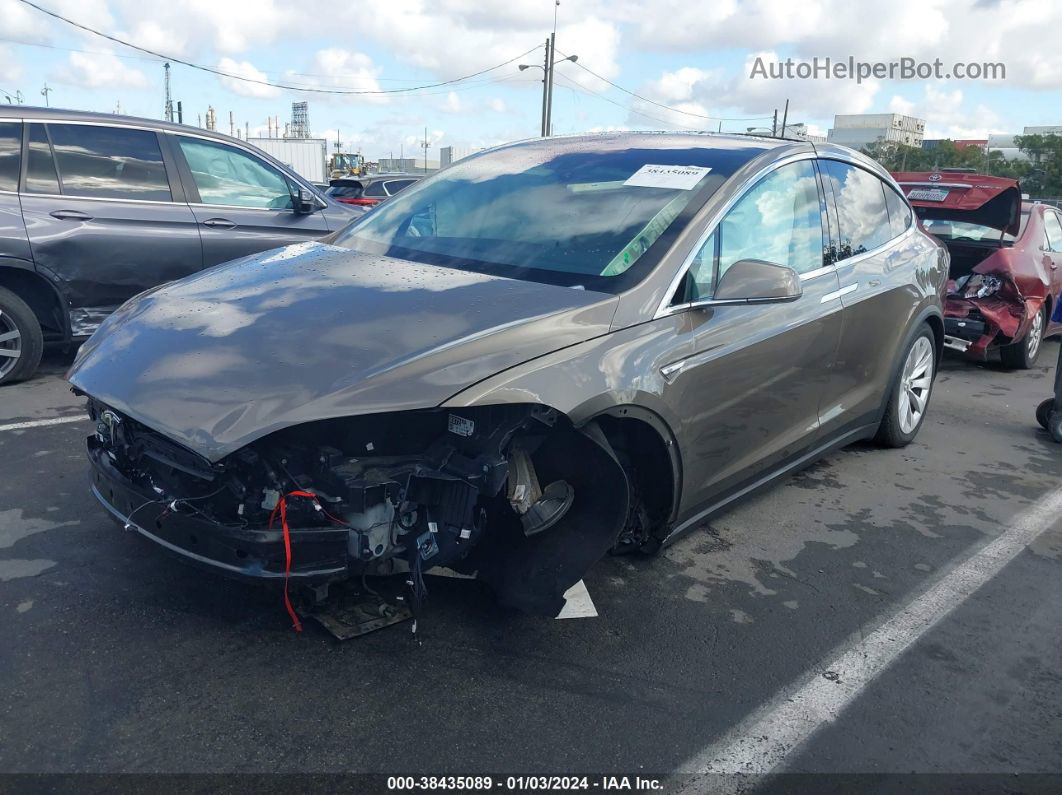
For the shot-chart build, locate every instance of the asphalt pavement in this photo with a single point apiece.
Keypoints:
(118, 658)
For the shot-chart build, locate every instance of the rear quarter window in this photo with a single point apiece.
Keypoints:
(899, 211)
(10, 154)
(862, 215)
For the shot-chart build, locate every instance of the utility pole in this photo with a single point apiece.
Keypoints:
(44, 93)
(785, 116)
(180, 113)
(168, 109)
(232, 125)
(774, 124)
(545, 102)
(425, 145)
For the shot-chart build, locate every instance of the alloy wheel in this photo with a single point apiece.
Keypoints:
(10, 344)
(916, 382)
(1035, 336)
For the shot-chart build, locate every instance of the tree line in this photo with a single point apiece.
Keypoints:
(1040, 175)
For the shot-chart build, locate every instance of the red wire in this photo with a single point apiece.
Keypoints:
(282, 506)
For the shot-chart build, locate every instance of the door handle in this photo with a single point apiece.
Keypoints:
(837, 294)
(70, 215)
(219, 223)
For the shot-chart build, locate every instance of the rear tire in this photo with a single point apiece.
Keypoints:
(1023, 354)
(912, 386)
(21, 339)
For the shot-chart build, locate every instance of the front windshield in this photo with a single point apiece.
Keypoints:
(580, 213)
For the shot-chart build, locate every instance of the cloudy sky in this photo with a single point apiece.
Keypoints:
(690, 62)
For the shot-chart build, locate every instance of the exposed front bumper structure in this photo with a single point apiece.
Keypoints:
(320, 555)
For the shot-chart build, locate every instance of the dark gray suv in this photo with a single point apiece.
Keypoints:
(95, 208)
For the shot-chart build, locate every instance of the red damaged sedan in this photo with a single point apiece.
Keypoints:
(1004, 280)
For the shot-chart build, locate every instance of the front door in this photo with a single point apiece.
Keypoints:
(244, 204)
(749, 392)
(102, 216)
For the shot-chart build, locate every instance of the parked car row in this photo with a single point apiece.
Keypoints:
(547, 351)
(95, 208)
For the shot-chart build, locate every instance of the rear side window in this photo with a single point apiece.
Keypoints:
(40, 165)
(109, 162)
(345, 191)
(228, 176)
(1054, 231)
(899, 211)
(862, 216)
(375, 190)
(10, 154)
(395, 185)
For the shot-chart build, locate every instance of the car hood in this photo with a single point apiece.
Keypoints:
(974, 198)
(313, 331)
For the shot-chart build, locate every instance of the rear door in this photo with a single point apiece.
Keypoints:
(875, 274)
(750, 390)
(105, 216)
(242, 203)
(14, 246)
(1053, 260)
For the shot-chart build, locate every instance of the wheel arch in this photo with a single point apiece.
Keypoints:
(40, 294)
(645, 434)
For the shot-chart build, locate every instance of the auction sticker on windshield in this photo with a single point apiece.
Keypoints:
(674, 177)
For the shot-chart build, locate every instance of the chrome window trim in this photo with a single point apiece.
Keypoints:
(242, 207)
(60, 120)
(855, 259)
(666, 307)
(65, 196)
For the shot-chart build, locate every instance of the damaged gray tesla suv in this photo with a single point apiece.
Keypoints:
(551, 350)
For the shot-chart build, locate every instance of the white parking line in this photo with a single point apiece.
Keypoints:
(21, 426)
(764, 741)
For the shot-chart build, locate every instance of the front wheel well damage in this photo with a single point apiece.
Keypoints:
(514, 493)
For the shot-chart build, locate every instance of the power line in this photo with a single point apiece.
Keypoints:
(284, 86)
(660, 104)
(573, 86)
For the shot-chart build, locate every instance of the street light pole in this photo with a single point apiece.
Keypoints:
(547, 86)
(545, 71)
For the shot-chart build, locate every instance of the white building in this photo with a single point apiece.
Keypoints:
(861, 129)
(1005, 144)
(451, 154)
(1050, 129)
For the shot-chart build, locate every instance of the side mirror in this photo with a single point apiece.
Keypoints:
(304, 202)
(759, 282)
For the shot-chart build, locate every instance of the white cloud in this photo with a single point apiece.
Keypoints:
(10, 69)
(100, 70)
(337, 68)
(946, 116)
(497, 104)
(700, 93)
(243, 87)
